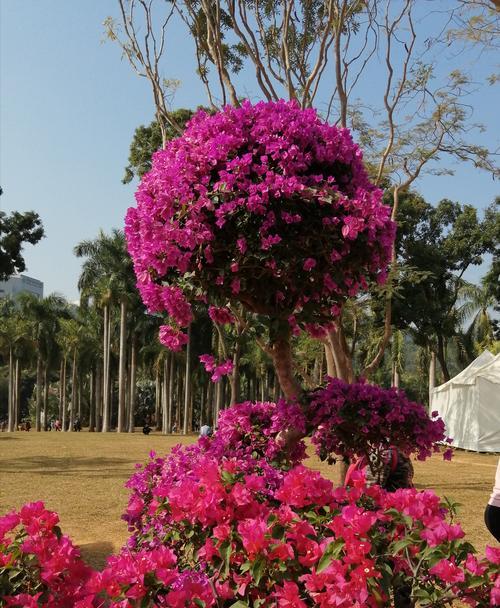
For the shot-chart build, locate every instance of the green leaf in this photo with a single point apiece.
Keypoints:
(257, 568)
(239, 604)
(399, 545)
(331, 552)
(199, 602)
(278, 531)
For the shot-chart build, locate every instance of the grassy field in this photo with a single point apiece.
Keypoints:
(82, 477)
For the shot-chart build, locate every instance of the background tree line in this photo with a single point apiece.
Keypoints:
(101, 361)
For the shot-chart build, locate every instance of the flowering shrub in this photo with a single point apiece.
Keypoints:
(247, 432)
(38, 565)
(294, 540)
(359, 419)
(217, 213)
(216, 524)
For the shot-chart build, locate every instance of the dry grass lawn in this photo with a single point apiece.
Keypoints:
(82, 477)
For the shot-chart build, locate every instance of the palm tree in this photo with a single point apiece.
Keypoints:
(15, 345)
(43, 316)
(476, 303)
(108, 278)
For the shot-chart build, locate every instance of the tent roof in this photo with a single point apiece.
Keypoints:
(471, 372)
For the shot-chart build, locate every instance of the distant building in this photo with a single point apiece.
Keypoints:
(20, 283)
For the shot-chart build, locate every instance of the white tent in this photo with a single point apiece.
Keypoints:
(469, 404)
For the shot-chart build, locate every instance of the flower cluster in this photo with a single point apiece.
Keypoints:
(38, 565)
(217, 213)
(216, 369)
(358, 419)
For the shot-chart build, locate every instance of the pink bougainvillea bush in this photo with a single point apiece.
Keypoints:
(219, 524)
(264, 194)
(38, 565)
(358, 419)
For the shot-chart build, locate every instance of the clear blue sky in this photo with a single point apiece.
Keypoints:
(69, 107)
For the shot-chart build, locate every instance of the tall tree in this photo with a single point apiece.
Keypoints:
(43, 315)
(442, 242)
(416, 119)
(15, 230)
(107, 277)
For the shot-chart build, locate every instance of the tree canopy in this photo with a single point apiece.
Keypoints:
(15, 230)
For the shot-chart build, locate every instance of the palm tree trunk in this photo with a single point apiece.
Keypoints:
(166, 411)
(121, 367)
(395, 375)
(79, 383)
(235, 376)
(92, 403)
(10, 424)
(45, 396)
(105, 354)
(170, 394)
(98, 397)
(133, 388)
(209, 413)
(61, 368)
(72, 410)
(17, 396)
(187, 391)
(158, 424)
(63, 393)
(39, 382)
(432, 375)
(219, 396)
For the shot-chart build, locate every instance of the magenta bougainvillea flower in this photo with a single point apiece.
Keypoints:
(260, 195)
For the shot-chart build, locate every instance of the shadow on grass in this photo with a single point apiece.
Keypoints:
(52, 465)
(6, 437)
(95, 554)
(472, 486)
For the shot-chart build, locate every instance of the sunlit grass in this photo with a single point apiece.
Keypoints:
(82, 477)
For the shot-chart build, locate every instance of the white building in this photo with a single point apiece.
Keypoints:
(20, 283)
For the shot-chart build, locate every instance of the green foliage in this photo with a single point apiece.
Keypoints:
(147, 140)
(443, 242)
(16, 229)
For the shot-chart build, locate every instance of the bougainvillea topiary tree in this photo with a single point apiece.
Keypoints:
(264, 205)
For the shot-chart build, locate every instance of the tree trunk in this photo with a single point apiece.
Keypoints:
(187, 390)
(106, 383)
(17, 396)
(235, 376)
(92, 401)
(281, 353)
(45, 396)
(219, 400)
(158, 424)
(121, 367)
(341, 358)
(61, 371)
(98, 397)
(133, 387)
(10, 424)
(72, 410)
(442, 359)
(39, 383)
(395, 375)
(432, 376)
(209, 405)
(170, 391)
(63, 399)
